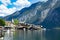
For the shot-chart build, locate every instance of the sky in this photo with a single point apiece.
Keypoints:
(8, 7)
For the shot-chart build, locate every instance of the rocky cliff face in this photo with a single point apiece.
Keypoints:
(40, 13)
(53, 18)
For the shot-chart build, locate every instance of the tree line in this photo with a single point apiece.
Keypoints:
(2, 22)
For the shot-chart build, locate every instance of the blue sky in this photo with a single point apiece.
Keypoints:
(8, 7)
(34, 1)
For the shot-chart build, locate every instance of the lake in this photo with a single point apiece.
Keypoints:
(33, 35)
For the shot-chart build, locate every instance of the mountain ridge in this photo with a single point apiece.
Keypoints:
(46, 14)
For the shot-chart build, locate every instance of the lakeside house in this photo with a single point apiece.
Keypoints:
(1, 27)
(8, 23)
(29, 26)
(1, 31)
(21, 25)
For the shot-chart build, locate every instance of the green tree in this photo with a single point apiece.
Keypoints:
(2, 22)
(16, 21)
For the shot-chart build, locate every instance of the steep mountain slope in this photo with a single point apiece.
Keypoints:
(53, 17)
(40, 13)
(24, 11)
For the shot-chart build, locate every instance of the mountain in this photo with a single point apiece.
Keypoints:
(40, 13)
(24, 11)
(1, 16)
(53, 18)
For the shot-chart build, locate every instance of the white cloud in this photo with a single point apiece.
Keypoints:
(2, 15)
(6, 2)
(19, 4)
(6, 11)
(22, 2)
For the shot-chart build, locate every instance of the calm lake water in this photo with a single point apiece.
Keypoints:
(33, 35)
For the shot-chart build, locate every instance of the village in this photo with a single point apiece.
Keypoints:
(9, 25)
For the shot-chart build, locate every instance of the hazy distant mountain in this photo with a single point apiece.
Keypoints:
(40, 13)
(1, 17)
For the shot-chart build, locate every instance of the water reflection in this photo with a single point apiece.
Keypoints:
(33, 35)
(52, 34)
(29, 35)
(8, 35)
